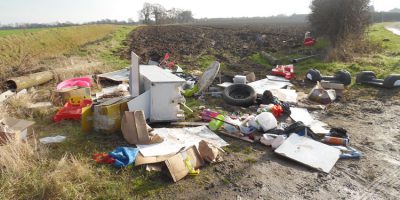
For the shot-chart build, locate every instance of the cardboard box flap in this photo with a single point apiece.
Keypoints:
(16, 125)
(141, 160)
(177, 165)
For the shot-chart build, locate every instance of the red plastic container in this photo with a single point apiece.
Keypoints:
(308, 42)
(71, 110)
(286, 71)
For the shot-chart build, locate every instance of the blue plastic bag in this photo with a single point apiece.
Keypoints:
(124, 156)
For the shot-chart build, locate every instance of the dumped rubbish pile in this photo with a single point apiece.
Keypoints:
(267, 111)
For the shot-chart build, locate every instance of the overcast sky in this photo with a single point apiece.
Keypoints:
(77, 11)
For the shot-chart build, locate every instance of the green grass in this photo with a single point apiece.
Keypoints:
(19, 31)
(21, 53)
(258, 59)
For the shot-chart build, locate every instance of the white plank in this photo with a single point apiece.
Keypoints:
(309, 152)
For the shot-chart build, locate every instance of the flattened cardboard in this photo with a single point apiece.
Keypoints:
(141, 160)
(176, 164)
(135, 129)
(12, 128)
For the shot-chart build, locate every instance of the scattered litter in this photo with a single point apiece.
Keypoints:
(72, 110)
(320, 95)
(309, 152)
(176, 139)
(107, 115)
(239, 79)
(124, 156)
(189, 123)
(5, 95)
(28, 81)
(40, 105)
(209, 152)
(75, 82)
(54, 139)
(272, 140)
(15, 129)
(302, 114)
(136, 131)
(287, 71)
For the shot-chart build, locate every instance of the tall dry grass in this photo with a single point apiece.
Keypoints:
(26, 172)
(20, 53)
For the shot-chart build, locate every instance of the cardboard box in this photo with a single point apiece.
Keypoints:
(107, 115)
(12, 128)
(60, 97)
(176, 164)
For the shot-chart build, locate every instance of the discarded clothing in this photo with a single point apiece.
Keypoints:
(103, 158)
(124, 156)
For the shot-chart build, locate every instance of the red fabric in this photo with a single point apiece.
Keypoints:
(103, 158)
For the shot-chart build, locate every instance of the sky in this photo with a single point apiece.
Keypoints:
(78, 11)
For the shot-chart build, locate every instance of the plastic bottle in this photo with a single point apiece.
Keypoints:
(335, 140)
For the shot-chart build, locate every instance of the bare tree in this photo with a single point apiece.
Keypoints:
(158, 12)
(145, 12)
(185, 16)
(340, 20)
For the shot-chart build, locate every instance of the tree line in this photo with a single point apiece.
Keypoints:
(157, 14)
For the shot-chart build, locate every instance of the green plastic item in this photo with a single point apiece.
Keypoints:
(216, 123)
(191, 92)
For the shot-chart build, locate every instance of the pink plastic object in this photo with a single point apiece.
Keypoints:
(207, 115)
(71, 111)
(80, 82)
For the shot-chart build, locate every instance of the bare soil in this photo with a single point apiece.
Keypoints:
(231, 45)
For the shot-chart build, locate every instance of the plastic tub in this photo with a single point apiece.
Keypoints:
(215, 124)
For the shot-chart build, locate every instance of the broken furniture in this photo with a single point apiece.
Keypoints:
(369, 77)
(341, 76)
(15, 129)
(160, 97)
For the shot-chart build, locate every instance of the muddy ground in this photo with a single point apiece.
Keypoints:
(231, 45)
(253, 171)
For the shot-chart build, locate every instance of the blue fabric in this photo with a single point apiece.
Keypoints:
(124, 156)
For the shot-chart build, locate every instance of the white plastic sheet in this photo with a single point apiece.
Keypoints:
(176, 139)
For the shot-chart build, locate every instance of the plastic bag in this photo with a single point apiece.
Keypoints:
(266, 121)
